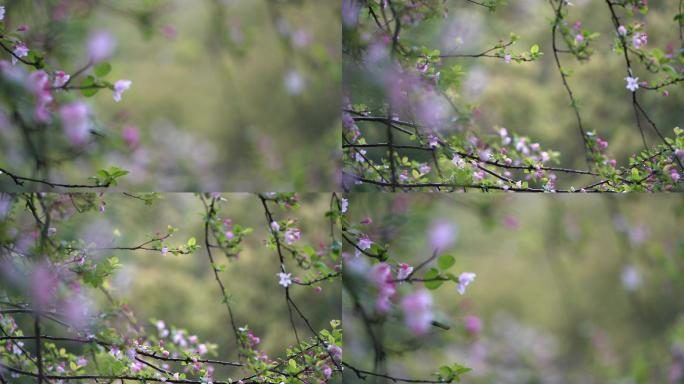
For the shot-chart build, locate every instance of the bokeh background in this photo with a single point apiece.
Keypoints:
(182, 291)
(529, 98)
(239, 95)
(568, 290)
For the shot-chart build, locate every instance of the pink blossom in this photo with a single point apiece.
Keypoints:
(101, 46)
(473, 325)
(510, 222)
(622, 31)
(381, 276)
(579, 39)
(442, 235)
(169, 32)
(364, 242)
(507, 58)
(404, 271)
(61, 78)
(2, 12)
(44, 285)
(417, 309)
(136, 367)
(39, 83)
(639, 39)
(131, 136)
(292, 235)
(335, 351)
(119, 87)
(327, 371)
(19, 50)
(75, 122)
(275, 227)
(202, 349)
(674, 175)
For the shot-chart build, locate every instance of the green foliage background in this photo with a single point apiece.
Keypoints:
(213, 115)
(549, 292)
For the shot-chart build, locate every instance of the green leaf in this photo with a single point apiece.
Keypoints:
(192, 242)
(88, 88)
(430, 275)
(102, 69)
(535, 49)
(445, 262)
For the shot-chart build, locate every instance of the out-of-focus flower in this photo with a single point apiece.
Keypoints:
(131, 135)
(442, 235)
(473, 325)
(101, 46)
(631, 278)
(381, 276)
(75, 121)
(294, 82)
(417, 309)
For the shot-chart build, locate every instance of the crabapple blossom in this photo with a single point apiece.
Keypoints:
(404, 271)
(464, 279)
(364, 242)
(275, 227)
(20, 50)
(632, 83)
(2, 12)
(344, 205)
(75, 121)
(119, 87)
(639, 39)
(285, 279)
(292, 235)
(417, 310)
(433, 141)
(335, 351)
(622, 31)
(458, 161)
(61, 79)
